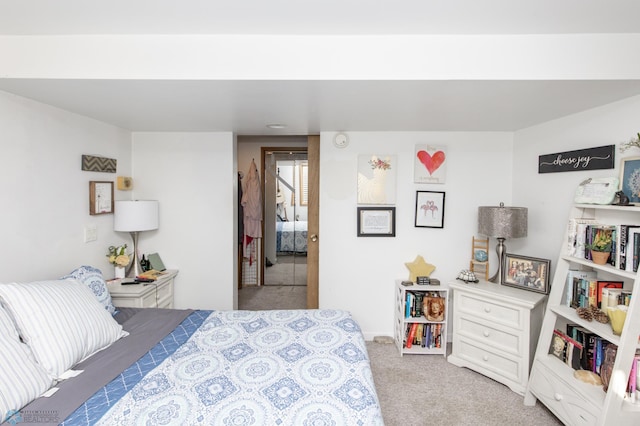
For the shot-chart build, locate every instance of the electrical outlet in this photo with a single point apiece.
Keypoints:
(90, 233)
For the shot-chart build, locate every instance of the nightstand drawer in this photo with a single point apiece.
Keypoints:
(158, 296)
(489, 360)
(504, 341)
(490, 310)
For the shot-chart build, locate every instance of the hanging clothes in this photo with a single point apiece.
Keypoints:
(252, 207)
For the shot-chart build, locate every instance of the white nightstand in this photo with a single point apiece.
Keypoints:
(495, 330)
(158, 294)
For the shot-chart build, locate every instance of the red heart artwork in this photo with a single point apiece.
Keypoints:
(432, 163)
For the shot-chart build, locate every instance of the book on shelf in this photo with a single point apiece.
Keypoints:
(411, 334)
(575, 273)
(602, 300)
(576, 232)
(566, 349)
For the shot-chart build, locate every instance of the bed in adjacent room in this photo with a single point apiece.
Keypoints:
(291, 236)
(212, 367)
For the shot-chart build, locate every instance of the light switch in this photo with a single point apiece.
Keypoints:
(90, 233)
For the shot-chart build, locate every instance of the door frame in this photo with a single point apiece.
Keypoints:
(313, 161)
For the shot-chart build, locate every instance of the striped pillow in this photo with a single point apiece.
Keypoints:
(22, 380)
(61, 321)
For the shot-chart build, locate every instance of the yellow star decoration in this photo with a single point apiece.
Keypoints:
(419, 268)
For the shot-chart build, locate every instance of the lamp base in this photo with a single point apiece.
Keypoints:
(501, 249)
(134, 269)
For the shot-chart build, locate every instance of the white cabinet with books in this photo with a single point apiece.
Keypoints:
(421, 319)
(572, 339)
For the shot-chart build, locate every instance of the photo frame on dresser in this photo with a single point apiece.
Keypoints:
(527, 273)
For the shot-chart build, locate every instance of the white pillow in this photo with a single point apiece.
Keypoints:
(92, 278)
(61, 321)
(22, 380)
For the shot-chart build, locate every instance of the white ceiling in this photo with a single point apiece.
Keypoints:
(310, 106)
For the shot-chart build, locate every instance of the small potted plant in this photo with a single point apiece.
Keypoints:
(600, 246)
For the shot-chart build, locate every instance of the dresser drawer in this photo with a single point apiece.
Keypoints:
(561, 399)
(493, 361)
(490, 310)
(503, 340)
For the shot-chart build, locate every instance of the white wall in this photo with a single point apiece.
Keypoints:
(45, 194)
(193, 176)
(358, 273)
(550, 195)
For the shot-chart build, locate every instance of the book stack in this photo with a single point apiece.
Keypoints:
(418, 302)
(426, 332)
(625, 247)
(583, 350)
(590, 291)
(425, 335)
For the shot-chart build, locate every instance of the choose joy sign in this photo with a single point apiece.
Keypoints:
(430, 164)
(600, 157)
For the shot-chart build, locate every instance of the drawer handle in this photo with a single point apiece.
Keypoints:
(486, 333)
(485, 358)
(487, 309)
(557, 397)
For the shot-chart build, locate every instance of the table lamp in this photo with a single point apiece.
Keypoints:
(135, 217)
(502, 223)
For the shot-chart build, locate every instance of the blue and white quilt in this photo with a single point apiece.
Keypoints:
(291, 237)
(293, 367)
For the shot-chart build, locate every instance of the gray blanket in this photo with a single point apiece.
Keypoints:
(146, 328)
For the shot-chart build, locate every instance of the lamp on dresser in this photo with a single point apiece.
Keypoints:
(501, 223)
(135, 217)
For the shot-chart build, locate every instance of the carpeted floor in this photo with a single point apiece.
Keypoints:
(417, 390)
(287, 270)
(421, 390)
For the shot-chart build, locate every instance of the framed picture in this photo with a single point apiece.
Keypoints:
(630, 178)
(377, 179)
(429, 209)
(434, 308)
(100, 197)
(376, 221)
(429, 164)
(527, 273)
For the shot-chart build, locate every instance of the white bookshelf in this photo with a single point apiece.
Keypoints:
(552, 381)
(403, 322)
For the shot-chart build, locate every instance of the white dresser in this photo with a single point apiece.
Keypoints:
(157, 294)
(495, 330)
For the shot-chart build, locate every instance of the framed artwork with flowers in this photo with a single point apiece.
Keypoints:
(377, 179)
(630, 178)
(429, 209)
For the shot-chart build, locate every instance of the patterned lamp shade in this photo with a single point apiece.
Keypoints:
(502, 222)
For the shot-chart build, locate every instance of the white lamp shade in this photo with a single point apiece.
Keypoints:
(133, 216)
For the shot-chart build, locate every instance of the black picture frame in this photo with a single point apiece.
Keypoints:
(429, 209)
(376, 221)
(526, 273)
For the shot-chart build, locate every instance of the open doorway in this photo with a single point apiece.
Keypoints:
(272, 287)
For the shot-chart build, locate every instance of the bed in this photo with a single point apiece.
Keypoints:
(291, 237)
(280, 367)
